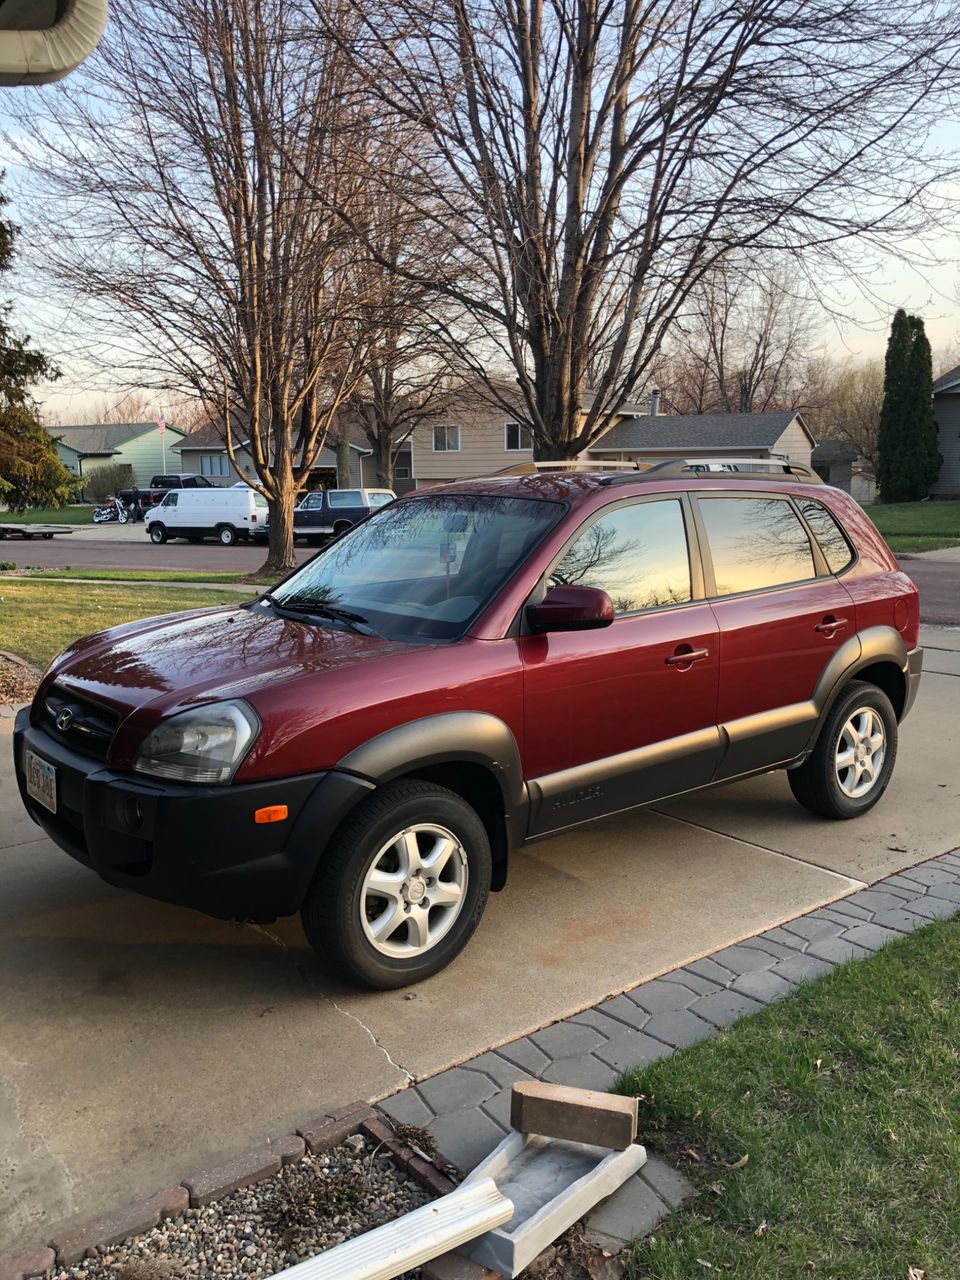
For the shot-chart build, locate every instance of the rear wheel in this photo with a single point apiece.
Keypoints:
(340, 527)
(850, 767)
(402, 887)
(227, 535)
(158, 533)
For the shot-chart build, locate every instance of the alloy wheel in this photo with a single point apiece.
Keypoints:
(413, 891)
(861, 749)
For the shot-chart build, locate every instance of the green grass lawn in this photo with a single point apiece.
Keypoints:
(844, 1102)
(918, 526)
(38, 619)
(48, 515)
(134, 575)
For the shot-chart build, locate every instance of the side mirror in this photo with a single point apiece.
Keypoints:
(571, 609)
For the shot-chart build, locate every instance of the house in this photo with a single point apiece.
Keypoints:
(838, 463)
(204, 452)
(946, 410)
(469, 436)
(652, 437)
(84, 447)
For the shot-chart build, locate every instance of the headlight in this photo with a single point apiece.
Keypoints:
(207, 744)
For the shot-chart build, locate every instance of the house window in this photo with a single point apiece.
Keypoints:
(401, 473)
(446, 439)
(214, 464)
(516, 438)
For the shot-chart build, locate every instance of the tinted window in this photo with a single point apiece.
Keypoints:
(380, 497)
(344, 498)
(833, 543)
(755, 542)
(637, 554)
(425, 567)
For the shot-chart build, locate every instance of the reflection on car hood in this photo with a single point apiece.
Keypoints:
(207, 655)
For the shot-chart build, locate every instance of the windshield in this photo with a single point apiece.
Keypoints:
(425, 567)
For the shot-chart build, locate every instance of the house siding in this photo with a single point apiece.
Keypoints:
(795, 443)
(145, 454)
(946, 410)
(481, 451)
(190, 462)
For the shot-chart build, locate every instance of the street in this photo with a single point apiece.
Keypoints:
(939, 583)
(139, 1041)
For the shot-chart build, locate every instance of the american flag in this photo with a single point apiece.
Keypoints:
(161, 424)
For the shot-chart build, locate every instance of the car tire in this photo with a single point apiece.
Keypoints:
(226, 535)
(850, 767)
(158, 534)
(401, 824)
(340, 527)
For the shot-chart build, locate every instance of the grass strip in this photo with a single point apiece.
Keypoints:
(38, 619)
(49, 515)
(916, 519)
(823, 1133)
(134, 575)
(901, 543)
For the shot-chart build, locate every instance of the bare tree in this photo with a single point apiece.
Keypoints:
(852, 400)
(598, 159)
(741, 345)
(187, 175)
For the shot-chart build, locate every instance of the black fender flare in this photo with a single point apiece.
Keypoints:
(470, 737)
(875, 644)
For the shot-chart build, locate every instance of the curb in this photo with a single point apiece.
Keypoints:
(82, 1240)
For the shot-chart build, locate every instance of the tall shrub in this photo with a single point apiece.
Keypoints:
(908, 460)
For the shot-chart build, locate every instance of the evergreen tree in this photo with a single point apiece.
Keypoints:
(31, 473)
(908, 461)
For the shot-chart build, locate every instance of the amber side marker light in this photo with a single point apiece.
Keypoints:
(272, 813)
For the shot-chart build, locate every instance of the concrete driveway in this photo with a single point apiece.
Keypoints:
(138, 1041)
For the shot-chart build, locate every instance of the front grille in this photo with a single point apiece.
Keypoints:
(78, 722)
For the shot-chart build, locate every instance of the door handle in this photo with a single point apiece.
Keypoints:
(685, 656)
(829, 625)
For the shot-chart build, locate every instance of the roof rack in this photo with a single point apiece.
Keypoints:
(747, 468)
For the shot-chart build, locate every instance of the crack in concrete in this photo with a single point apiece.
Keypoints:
(328, 999)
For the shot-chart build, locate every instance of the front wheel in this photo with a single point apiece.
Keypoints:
(850, 767)
(402, 887)
(158, 533)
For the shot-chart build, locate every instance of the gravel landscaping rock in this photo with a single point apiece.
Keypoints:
(310, 1206)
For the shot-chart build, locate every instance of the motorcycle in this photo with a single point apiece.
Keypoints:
(113, 509)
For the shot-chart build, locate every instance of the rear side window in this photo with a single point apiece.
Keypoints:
(344, 498)
(637, 554)
(833, 541)
(380, 497)
(755, 543)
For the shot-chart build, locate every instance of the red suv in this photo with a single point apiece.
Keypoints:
(470, 669)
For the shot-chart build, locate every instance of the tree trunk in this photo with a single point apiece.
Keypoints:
(280, 557)
(344, 480)
(383, 461)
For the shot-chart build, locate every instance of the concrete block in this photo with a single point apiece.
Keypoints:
(802, 968)
(454, 1266)
(454, 1089)
(626, 1012)
(407, 1108)
(663, 996)
(931, 908)
(670, 1185)
(725, 1007)
(899, 920)
(576, 1115)
(39, 1262)
(811, 928)
(780, 935)
(880, 899)
(525, 1054)
(505, 1073)
(950, 892)
(81, 1241)
(847, 908)
(929, 874)
(465, 1137)
(764, 986)
(601, 1020)
(835, 949)
(743, 959)
(633, 1049)
(694, 982)
(586, 1071)
(708, 968)
(872, 936)
(630, 1213)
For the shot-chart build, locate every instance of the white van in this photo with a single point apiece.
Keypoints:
(229, 515)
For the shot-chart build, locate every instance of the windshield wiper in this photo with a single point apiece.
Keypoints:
(304, 612)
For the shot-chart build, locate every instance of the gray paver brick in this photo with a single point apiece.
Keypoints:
(585, 1071)
(601, 1020)
(407, 1108)
(836, 950)
(765, 986)
(505, 1073)
(632, 1211)
(680, 1027)
(525, 1054)
(929, 874)
(801, 968)
(661, 996)
(785, 939)
(951, 892)
(896, 884)
(878, 899)
(871, 936)
(743, 959)
(695, 982)
(812, 928)
(707, 968)
(567, 1039)
(498, 1108)
(632, 1049)
(455, 1089)
(847, 908)
(670, 1185)
(725, 1007)
(465, 1137)
(625, 1011)
(778, 950)
(898, 919)
(932, 908)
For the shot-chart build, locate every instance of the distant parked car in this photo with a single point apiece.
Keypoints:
(160, 485)
(229, 515)
(329, 512)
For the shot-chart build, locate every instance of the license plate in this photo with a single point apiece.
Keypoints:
(41, 782)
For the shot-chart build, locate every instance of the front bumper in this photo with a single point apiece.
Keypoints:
(194, 846)
(914, 670)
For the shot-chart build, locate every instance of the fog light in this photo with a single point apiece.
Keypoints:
(130, 813)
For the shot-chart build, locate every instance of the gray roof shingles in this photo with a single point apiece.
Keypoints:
(100, 438)
(697, 431)
(947, 380)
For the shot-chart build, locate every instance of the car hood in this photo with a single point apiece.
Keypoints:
(186, 659)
